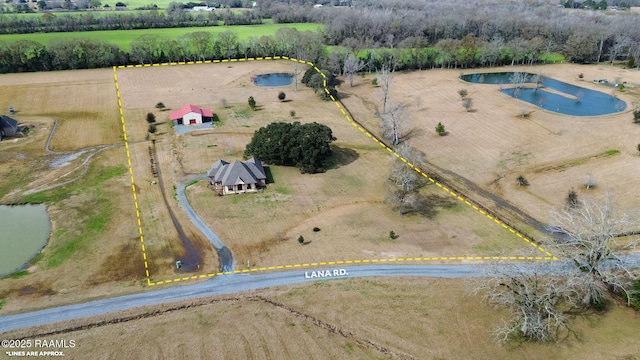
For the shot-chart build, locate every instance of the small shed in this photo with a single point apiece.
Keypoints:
(8, 127)
(191, 115)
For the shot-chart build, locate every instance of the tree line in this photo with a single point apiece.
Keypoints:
(87, 21)
(367, 38)
(475, 33)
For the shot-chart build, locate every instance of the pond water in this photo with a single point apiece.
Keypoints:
(274, 79)
(554, 95)
(24, 231)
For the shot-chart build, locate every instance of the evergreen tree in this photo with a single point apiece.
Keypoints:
(306, 146)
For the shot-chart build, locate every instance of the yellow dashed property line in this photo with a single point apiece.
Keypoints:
(358, 261)
(133, 187)
(467, 202)
(363, 130)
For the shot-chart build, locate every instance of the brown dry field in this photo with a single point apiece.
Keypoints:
(374, 318)
(84, 101)
(346, 202)
(109, 263)
(492, 146)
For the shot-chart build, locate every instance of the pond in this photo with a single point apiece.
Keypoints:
(273, 79)
(554, 95)
(24, 231)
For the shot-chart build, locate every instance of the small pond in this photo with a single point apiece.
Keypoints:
(554, 95)
(274, 79)
(24, 231)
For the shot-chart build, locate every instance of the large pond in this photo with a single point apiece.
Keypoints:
(553, 95)
(274, 79)
(24, 231)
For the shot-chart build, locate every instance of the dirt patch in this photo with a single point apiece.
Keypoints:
(124, 264)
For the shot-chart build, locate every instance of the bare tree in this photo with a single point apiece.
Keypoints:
(393, 124)
(518, 78)
(589, 181)
(590, 231)
(352, 65)
(467, 103)
(533, 296)
(620, 43)
(384, 81)
(537, 78)
(406, 181)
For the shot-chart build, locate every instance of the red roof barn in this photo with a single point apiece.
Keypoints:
(191, 115)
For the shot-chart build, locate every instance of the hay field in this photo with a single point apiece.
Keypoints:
(84, 101)
(346, 202)
(492, 146)
(340, 319)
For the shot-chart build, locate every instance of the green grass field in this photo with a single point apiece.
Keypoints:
(123, 38)
(100, 13)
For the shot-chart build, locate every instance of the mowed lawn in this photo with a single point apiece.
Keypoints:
(123, 38)
(347, 202)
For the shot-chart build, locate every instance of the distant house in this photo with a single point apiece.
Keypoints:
(8, 127)
(202, 8)
(237, 177)
(191, 115)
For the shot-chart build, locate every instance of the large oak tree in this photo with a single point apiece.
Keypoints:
(306, 146)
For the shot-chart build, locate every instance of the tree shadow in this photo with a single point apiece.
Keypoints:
(411, 133)
(343, 95)
(307, 242)
(341, 156)
(268, 174)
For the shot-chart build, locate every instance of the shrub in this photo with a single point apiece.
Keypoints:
(392, 235)
(301, 240)
(252, 103)
(633, 298)
(463, 93)
(571, 200)
(522, 181)
(636, 116)
(281, 96)
(292, 113)
(374, 81)
(160, 106)
(152, 128)
(581, 76)
(316, 229)
(467, 103)
(440, 129)
(151, 118)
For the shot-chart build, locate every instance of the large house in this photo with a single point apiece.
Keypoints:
(237, 177)
(191, 115)
(8, 127)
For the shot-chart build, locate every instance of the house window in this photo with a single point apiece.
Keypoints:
(248, 186)
(239, 186)
(230, 187)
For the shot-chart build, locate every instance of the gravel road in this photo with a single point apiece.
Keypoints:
(225, 284)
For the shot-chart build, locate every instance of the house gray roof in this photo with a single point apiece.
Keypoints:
(8, 125)
(247, 172)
